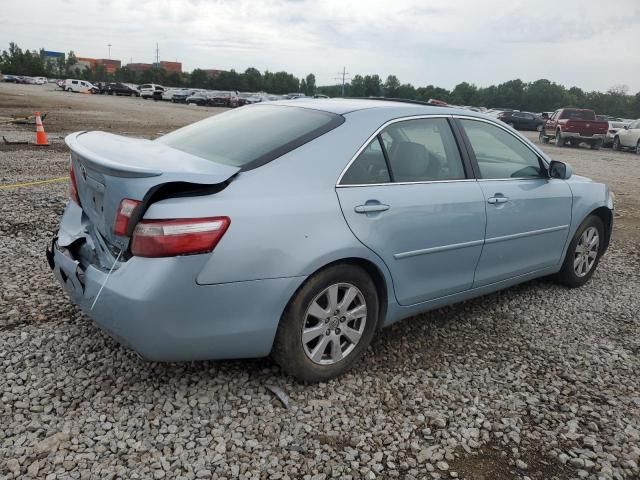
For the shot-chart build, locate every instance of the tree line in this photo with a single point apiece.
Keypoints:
(537, 96)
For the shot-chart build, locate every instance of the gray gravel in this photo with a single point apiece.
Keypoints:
(534, 382)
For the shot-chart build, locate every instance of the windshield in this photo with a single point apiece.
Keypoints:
(252, 136)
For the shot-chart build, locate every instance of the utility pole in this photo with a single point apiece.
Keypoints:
(109, 50)
(157, 55)
(343, 76)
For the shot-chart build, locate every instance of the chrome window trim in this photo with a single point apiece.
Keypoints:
(533, 149)
(382, 127)
(386, 184)
(538, 153)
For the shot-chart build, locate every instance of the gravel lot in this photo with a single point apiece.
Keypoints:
(535, 382)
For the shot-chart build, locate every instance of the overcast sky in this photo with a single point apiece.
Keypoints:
(593, 44)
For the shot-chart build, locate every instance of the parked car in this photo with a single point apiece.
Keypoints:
(319, 95)
(301, 228)
(10, 78)
(39, 80)
(249, 98)
(521, 120)
(614, 126)
(628, 137)
(151, 90)
(119, 88)
(572, 126)
(168, 93)
(224, 99)
(180, 96)
(82, 86)
(199, 98)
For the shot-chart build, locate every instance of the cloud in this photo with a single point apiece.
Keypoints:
(442, 42)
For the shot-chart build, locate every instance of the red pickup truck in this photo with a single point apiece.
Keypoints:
(573, 126)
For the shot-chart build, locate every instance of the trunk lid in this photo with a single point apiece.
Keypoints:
(109, 168)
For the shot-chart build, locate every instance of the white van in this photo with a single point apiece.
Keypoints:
(72, 85)
(151, 90)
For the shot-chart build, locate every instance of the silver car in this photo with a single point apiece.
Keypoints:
(298, 229)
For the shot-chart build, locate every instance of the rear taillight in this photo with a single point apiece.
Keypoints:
(168, 238)
(73, 186)
(123, 216)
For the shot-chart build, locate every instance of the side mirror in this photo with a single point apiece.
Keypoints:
(560, 170)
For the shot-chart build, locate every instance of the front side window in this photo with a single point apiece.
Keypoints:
(500, 154)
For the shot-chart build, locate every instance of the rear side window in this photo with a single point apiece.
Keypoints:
(370, 167)
(423, 150)
(249, 137)
(573, 114)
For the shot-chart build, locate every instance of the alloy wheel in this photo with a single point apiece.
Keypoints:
(334, 323)
(586, 252)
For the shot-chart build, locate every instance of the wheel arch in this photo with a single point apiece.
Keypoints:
(375, 273)
(606, 215)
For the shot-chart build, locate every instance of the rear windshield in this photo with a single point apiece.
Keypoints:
(249, 137)
(578, 114)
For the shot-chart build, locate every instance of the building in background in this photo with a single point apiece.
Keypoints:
(171, 67)
(139, 67)
(110, 66)
(213, 73)
(86, 62)
(51, 58)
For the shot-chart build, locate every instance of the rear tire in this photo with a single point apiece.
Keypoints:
(638, 148)
(595, 145)
(575, 272)
(337, 337)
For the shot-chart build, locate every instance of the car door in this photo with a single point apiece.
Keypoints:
(528, 213)
(550, 125)
(629, 136)
(409, 197)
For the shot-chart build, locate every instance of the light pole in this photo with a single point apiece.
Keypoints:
(109, 51)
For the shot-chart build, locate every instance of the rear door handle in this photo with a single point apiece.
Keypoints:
(496, 200)
(371, 208)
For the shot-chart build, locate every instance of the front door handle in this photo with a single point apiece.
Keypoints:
(371, 208)
(497, 200)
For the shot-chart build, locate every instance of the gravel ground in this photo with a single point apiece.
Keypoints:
(535, 382)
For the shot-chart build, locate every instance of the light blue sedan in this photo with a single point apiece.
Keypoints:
(298, 229)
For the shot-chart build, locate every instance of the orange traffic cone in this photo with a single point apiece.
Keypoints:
(41, 136)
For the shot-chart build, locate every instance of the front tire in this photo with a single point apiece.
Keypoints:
(616, 144)
(559, 139)
(328, 324)
(638, 148)
(583, 254)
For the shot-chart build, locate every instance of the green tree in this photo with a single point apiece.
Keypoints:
(391, 86)
(358, 87)
(372, 86)
(310, 84)
(198, 78)
(253, 79)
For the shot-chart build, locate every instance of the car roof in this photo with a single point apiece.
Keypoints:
(342, 106)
